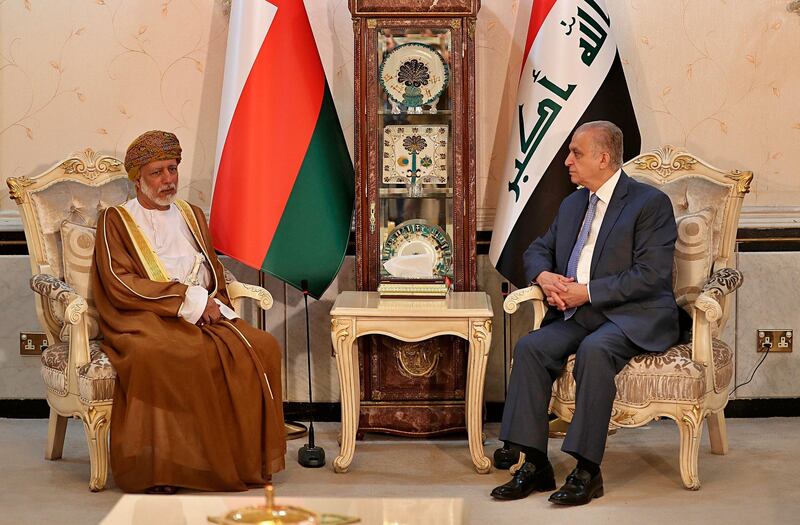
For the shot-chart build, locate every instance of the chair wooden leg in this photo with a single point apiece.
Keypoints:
(96, 425)
(691, 427)
(718, 433)
(56, 430)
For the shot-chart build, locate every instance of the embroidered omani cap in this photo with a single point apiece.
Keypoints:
(148, 147)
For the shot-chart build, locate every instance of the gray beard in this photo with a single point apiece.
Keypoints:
(153, 196)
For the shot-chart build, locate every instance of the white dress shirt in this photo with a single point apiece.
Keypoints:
(604, 194)
(176, 247)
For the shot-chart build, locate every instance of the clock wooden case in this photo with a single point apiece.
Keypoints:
(415, 194)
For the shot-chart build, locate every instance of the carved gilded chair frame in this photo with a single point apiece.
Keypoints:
(94, 170)
(711, 311)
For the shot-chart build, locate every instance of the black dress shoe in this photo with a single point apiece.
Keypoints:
(526, 480)
(579, 488)
(505, 458)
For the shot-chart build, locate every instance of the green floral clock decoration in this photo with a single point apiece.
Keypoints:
(414, 75)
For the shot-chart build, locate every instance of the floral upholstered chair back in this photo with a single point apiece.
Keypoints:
(59, 210)
(706, 202)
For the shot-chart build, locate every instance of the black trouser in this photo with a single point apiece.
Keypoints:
(539, 358)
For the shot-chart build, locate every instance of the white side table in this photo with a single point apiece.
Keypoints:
(465, 314)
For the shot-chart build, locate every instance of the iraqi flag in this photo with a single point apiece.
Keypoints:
(571, 74)
(283, 192)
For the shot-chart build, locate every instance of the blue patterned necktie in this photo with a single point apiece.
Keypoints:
(572, 264)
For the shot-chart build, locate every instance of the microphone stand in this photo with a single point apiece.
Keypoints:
(505, 457)
(294, 430)
(309, 455)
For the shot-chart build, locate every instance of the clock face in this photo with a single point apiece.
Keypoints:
(415, 151)
(414, 74)
(418, 236)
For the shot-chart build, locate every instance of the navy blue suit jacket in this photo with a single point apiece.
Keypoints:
(631, 268)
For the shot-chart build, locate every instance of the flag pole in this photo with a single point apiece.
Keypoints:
(505, 457)
(294, 429)
(310, 455)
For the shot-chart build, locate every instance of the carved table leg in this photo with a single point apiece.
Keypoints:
(342, 336)
(480, 338)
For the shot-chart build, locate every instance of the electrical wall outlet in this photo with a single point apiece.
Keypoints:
(774, 340)
(32, 343)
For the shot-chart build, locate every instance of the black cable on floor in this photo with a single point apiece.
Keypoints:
(768, 346)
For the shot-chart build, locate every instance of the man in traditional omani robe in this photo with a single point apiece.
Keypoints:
(198, 394)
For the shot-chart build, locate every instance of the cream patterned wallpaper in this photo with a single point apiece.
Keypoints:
(97, 73)
(719, 77)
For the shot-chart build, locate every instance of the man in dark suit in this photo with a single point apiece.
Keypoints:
(605, 266)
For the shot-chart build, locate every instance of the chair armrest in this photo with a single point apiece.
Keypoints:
(721, 283)
(532, 293)
(709, 303)
(57, 290)
(75, 308)
(517, 297)
(238, 291)
(708, 312)
(53, 288)
(724, 281)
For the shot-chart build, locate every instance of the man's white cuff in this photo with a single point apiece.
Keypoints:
(194, 304)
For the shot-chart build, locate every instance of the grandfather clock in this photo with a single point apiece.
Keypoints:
(415, 194)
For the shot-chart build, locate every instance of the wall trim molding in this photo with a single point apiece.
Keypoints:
(10, 221)
(331, 412)
(767, 217)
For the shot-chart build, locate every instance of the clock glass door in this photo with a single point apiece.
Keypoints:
(415, 148)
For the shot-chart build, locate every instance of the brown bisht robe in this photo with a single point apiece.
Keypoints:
(192, 407)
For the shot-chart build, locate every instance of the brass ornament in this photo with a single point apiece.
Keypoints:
(743, 179)
(665, 161)
(417, 359)
(16, 188)
(269, 514)
(272, 514)
(92, 165)
(694, 416)
(95, 418)
(622, 417)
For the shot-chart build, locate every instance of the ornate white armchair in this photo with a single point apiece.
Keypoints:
(59, 210)
(688, 383)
